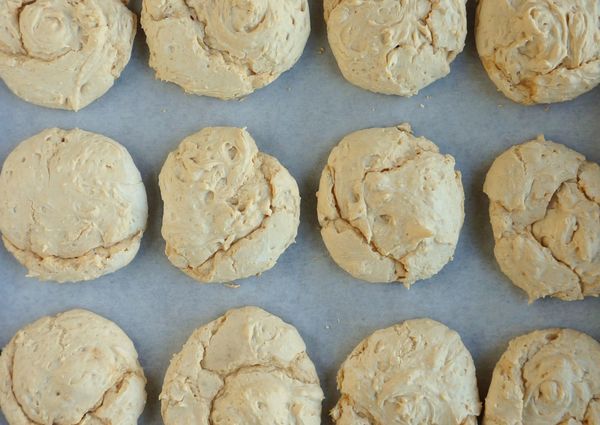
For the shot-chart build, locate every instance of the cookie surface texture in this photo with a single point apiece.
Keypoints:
(230, 211)
(416, 372)
(545, 214)
(224, 48)
(390, 205)
(247, 367)
(72, 205)
(74, 368)
(64, 54)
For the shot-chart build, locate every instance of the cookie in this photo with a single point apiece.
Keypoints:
(395, 47)
(540, 51)
(247, 367)
(549, 376)
(230, 211)
(72, 205)
(390, 205)
(74, 368)
(224, 48)
(64, 54)
(417, 372)
(545, 214)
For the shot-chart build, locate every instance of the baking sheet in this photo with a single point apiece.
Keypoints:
(298, 119)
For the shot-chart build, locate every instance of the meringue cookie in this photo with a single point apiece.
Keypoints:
(230, 211)
(549, 376)
(390, 205)
(417, 372)
(75, 368)
(64, 54)
(395, 47)
(72, 205)
(545, 214)
(540, 51)
(224, 48)
(247, 367)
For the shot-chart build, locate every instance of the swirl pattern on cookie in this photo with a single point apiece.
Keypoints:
(414, 373)
(64, 53)
(224, 48)
(549, 376)
(395, 47)
(540, 51)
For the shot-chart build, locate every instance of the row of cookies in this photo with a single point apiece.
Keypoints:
(250, 367)
(65, 54)
(391, 207)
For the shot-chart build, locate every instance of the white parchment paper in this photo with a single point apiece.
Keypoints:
(298, 119)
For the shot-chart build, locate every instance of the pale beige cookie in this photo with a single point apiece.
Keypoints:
(414, 373)
(224, 48)
(64, 53)
(72, 205)
(230, 211)
(545, 214)
(247, 367)
(74, 368)
(390, 205)
(550, 376)
(540, 51)
(395, 47)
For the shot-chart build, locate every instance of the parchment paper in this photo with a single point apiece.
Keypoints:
(298, 119)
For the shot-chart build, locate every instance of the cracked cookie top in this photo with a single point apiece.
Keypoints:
(395, 47)
(545, 214)
(390, 205)
(72, 205)
(74, 368)
(64, 53)
(540, 51)
(414, 373)
(247, 367)
(230, 211)
(224, 48)
(549, 376)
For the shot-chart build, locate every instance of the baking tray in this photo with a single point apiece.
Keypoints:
(298, 119)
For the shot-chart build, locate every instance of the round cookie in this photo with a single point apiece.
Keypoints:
(72, 205)
(549, 376)
(390, 205)
(64, 54)
(230, 211)
(416, 372)
(540, 51)
(247, 367)
(74, 368)
(224, 48)
(545, 214)
(395, 47)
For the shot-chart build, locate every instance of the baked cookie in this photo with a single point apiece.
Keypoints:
(64, 53)
(550, 376)
(224, 48)
(72, 205)
(247, 367)
(417, 372)
(230, 211)
(74, 368)
(390, 205)
(540, 51)
(545, 214)
(395, 47)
